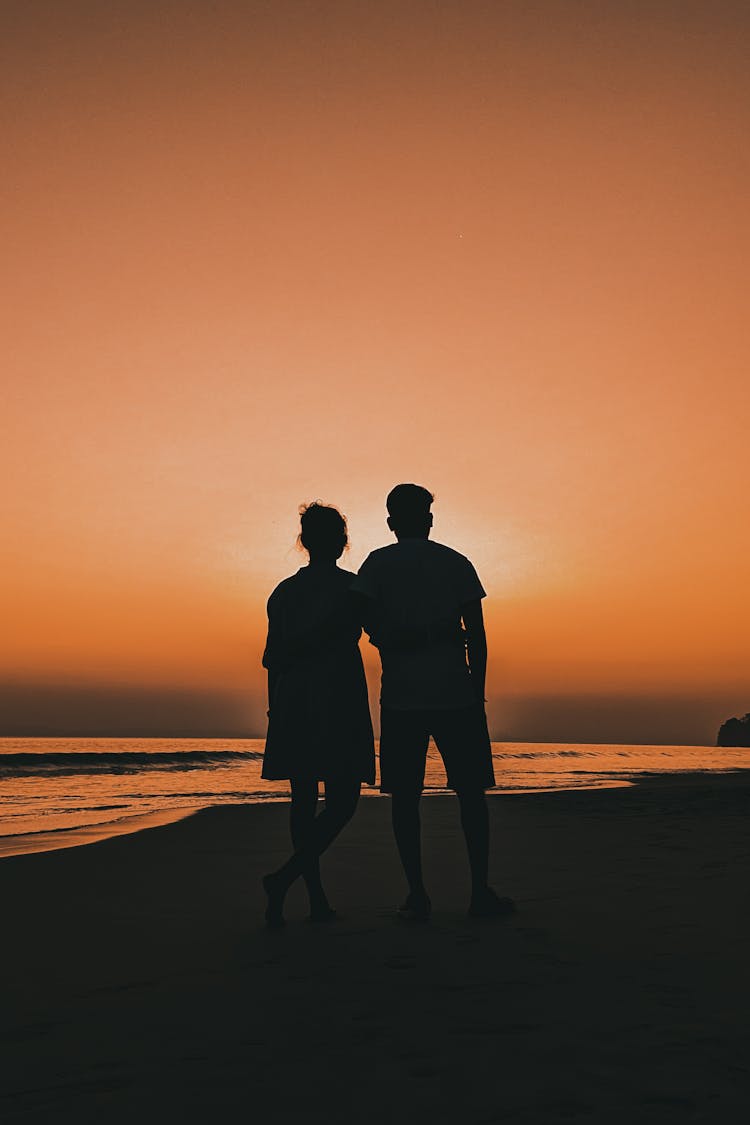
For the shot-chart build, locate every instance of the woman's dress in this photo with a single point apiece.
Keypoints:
(319, 722)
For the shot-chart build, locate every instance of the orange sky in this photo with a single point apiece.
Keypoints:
(257, 254)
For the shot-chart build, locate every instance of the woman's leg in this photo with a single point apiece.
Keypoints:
(301, 819)
(341, 801)
(342, 796)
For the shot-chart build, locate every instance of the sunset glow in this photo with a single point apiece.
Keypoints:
(261, 254)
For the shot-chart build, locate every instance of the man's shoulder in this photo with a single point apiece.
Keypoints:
(446, 551)
(381, 554)
(449, 556)
(395, 553)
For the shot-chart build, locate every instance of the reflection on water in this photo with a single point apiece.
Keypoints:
(53, 785)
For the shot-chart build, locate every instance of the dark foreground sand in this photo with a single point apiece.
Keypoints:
(139, 985)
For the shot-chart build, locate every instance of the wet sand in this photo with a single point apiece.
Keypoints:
(139, 984)
(57, 838)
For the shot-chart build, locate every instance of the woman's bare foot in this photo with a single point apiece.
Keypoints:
(275, 894)
(322, 912)
(488, 904)
(417, 907)
(320, 908)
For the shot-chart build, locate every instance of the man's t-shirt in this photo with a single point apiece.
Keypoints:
(414, 584)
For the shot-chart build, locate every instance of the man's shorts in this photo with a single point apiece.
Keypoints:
(460, 734)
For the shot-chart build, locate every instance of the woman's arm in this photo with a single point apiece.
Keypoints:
(274, 645)
(272, 654)
(273, 679)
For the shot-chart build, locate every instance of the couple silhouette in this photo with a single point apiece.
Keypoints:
(421, 605)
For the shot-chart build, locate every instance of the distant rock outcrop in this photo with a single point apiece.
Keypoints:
(735, 732)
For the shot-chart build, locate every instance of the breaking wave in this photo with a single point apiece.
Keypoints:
(61, 764)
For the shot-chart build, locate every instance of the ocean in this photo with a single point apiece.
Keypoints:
(55, 792)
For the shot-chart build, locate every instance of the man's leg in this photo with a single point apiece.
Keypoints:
(407, 830)
(403, 750)
(485, 903)
(476, 829)
(463, 742)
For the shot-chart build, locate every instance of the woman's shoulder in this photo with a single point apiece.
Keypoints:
(284, 588)
(345, 577)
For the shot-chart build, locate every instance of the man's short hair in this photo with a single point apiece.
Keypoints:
(409, 503)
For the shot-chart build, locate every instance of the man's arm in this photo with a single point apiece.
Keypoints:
(365, 612)
(476, 645)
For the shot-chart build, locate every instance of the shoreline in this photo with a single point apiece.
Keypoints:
(57, 839)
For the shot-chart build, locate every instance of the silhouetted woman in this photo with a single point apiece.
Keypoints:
(319, 726)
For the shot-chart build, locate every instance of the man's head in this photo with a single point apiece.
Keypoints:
(409, 515)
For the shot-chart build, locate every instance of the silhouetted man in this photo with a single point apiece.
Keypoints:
(423, 611)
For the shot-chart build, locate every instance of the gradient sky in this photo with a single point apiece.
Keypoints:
(261, 253)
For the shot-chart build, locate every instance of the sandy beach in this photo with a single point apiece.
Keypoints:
(140, 984)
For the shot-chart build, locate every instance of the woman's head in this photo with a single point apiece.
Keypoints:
(323, 531)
